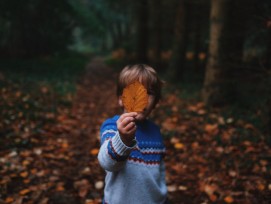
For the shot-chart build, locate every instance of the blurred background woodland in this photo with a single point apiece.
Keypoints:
(216, 53)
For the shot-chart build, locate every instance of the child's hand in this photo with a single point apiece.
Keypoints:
(127, 128)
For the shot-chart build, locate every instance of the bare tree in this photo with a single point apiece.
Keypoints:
(225, 62)
(176, 66)
(214, 72)
(142, 36)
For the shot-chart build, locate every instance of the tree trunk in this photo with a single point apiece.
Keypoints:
(176, 66)
(268, 68)
(201, 12)
(236, 24)
(268, 48)
(227, 36)
(198, 32)
(142, 31)
(156, 34)
(268, 124)
(214, 70)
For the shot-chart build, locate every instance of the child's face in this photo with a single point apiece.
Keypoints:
(146, 111)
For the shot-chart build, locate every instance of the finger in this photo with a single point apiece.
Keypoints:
(126, 121)
(126, 124)
(130, 126)
(130, 114)
(132, 131)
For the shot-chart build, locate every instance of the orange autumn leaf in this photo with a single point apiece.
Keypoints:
(260, 187)
(209, 189)
(179, 145)
(26, 163)
(60, 188)
(210, 128)
(213, 197)
(135, 97)
(26, 181)
(94, 151)
(228, 199)
(9, 200)
(65, 145)
(24, 174)
(24, 192)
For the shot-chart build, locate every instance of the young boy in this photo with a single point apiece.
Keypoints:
(132, 148)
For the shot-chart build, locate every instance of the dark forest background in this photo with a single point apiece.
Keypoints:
(217, 52)
(222, 46)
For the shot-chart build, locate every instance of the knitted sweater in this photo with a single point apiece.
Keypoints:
(134, 175)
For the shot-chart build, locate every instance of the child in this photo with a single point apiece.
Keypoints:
(132, 148)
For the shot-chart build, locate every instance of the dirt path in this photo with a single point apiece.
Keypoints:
(95, 100)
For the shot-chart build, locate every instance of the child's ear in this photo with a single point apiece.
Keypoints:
(120, 102)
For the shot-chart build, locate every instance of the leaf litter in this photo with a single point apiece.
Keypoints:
(48, 152)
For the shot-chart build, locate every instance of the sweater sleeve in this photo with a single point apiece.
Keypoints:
(113, 152)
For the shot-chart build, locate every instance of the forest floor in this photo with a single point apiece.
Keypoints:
(53, 157)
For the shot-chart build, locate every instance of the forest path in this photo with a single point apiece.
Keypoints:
(94, 101)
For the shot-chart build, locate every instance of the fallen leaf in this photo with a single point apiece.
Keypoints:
(249, 126)
(210, 127)
(219, 149)
(26, 163)
(213, 197)
(9, 200)
(195, 145)
(60, 188)
(26, 181)
(263, 162)
(201, 112)
(24, 174)
(83, 192)
(94, 151)
(99, 185)
(174, 140)
(232, 173)
(228, 199)
(209, 189)
(24, 192)
(179, 145)
(182, 188)
(230, 120)
(65, 145)
(261, 187)
(172, 188)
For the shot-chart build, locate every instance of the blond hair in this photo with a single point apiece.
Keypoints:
(145, 75)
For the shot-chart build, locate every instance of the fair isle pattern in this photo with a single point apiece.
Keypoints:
(147, 156)
(135, 174)
(153, 151)
(113, 154)
(150, 150)
(107, 134)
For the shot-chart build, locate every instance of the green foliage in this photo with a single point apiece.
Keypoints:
(101, 25)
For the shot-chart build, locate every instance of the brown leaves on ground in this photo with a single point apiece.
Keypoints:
(212, 159)
(50, 156)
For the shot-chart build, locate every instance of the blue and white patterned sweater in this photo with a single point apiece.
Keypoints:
(134, 175)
